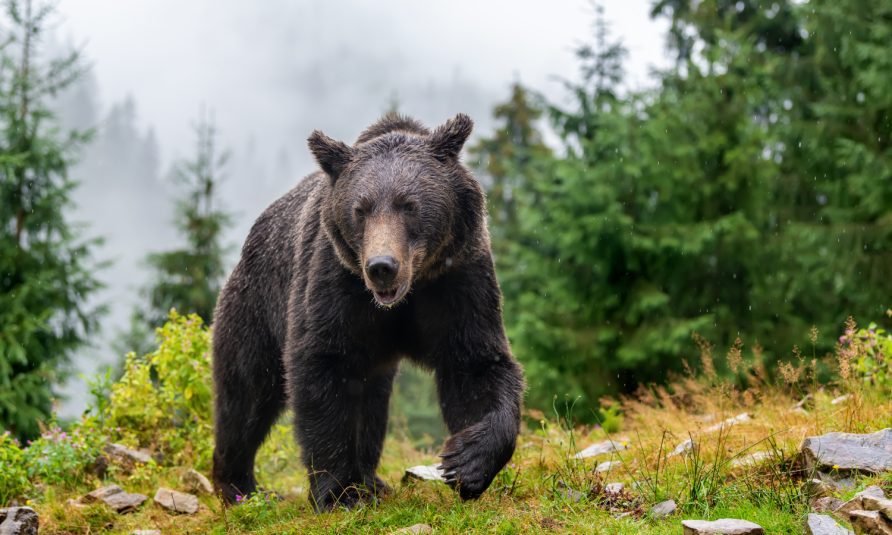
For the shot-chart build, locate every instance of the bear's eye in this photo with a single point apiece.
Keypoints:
(408, 207)
(359, 211)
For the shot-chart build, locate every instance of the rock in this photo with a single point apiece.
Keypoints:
(751, 459)
(18, 521)
(417, 528)
(608, 446)
(827, 504)
(870, 453)
(663, 509)
(614, 488)
(824, 525)
(818, 488)
(115, 497)
(723, 526)
(840, 399)
(146, 532)
(739, 419)
(684, 447)
(573, 495)
(872, 503)
(176, 502)
(870, 522)
(197, 483)
(624, 514)
(859, 501)
(607, 466)
(424, 473)
(127, 456)
(837, 481)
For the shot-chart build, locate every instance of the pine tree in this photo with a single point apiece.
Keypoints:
(45, 269)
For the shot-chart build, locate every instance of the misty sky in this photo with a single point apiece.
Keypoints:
(274, 70)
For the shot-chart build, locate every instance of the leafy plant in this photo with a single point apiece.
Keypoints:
(13, 475)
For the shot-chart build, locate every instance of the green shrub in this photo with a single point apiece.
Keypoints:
(60, 458)
(163, 400)
(13, 476)
(870, 353)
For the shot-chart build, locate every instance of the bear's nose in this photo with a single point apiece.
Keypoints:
(382, 269)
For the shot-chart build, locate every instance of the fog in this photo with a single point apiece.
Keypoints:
(271, 72)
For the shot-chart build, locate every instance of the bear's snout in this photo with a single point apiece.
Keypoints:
(382, 270)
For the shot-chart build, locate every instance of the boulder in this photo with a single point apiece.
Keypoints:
(739, 419)
(723, 526)
(869, 453)
(870, 523)
(607, 446)
(176, 502)
(424, 473)
(824, 525)
(607, 466)
(127, 456)
(18, 521)
(663, 509)
(412, 530)
(197, 483)
(116, 498)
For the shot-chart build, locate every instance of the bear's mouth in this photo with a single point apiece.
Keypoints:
(391, 296)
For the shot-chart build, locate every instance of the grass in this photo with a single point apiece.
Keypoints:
(531, 495)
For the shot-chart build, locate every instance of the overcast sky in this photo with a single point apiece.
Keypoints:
(274, 70)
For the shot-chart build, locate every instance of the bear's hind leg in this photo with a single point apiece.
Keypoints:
(249, 396)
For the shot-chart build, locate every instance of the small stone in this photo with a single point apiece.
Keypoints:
(817, 488)
(873, 491)
(859, 501)
(411, 530)
(127, 456)
(146, 532)
(723, 526)
(751, 459)
(607, 466)
(684, 447)
(573, 495)
(739, 419)
(870, 522)
(872, 503)
(663, 509)
(116, 498)
(837, 481)
(827, 504)
(614, 488)
(824, 525)
(870, 453)
(607, 446)
(197, 482)
(424, 473)
(624, 514)
(176, 502)
(840, 399)
(18, 521)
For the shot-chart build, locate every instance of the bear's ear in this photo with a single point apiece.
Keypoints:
(448, 139)
(332, 155)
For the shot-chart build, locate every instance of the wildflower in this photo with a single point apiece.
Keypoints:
(836, 467)
(239, 498)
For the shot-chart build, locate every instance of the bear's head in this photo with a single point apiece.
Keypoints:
(400, 204)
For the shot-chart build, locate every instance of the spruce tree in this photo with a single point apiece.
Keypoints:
(46, 274)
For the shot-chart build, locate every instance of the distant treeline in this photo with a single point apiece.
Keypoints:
(748, 195)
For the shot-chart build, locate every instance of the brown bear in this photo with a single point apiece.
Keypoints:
(382, 255)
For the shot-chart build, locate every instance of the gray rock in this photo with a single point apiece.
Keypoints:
(870, 522)
(116, 498)
(614, 488)
(573, 495)
(827, 504)
(127, 456)
(837, 481)
(607, 446)
(176, 502)
(607, 466)
(412, 530)
(685, 447)
(18, 521)
(663, 509)
(817, 488)
(824, 525)
(197, 483)
(424, 473)
(870, 453)
(859, 501)
(739, 419)
(751, 459)
(723, 526)
(872, 503)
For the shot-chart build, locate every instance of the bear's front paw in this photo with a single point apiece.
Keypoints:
(470, 463)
